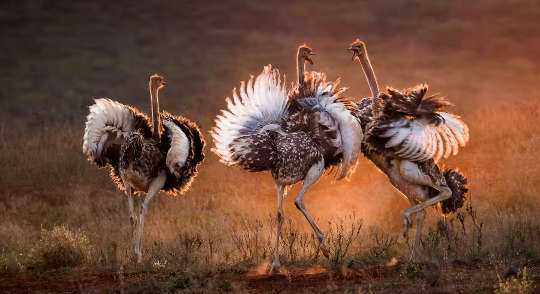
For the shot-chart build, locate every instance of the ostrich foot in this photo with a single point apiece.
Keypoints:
(324, 249)
(275, 268)
(412, 258)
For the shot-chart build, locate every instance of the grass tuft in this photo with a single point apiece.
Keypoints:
(520, 284)
(61, 247)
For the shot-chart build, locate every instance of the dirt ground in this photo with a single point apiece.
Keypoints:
(377, 279)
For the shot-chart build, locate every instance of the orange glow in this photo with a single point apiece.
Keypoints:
(315, 270)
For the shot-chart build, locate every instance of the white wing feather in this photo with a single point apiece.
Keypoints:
(349, 127)
(263, 101)
(179, 150)
(107, 122)
(422, 140)
(351, 137)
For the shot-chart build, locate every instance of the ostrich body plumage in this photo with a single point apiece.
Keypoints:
(140, 161)
(296, 154)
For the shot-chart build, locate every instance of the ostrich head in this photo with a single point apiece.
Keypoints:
(157, 82)
(358, 49)
(304, 53)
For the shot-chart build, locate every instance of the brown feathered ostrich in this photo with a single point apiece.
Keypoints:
(143, 157)
(257, 133)
(405, 134)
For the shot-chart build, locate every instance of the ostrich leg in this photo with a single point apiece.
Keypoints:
(312, 176)
(132, 218)
(444, 193)
(276, 264)
(130, 203)
(155, 186)
(419, 221)
(411, 173)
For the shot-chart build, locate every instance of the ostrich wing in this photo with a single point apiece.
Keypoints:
(184, 145)
(351, 135)
(179, 147)
(237, 134)
(415, 127)
(421, 139)
(107, 124)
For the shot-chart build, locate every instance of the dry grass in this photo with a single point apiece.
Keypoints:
(61, 247)
(480, 56)
(519, 284)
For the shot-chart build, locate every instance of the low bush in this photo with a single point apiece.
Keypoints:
(61, 247)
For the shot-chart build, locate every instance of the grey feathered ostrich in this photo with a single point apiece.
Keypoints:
(257, 133)
(405, 134)
(142, 157)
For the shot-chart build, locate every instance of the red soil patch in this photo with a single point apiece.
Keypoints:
(315, 277)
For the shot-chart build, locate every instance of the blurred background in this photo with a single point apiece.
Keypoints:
(56, 56)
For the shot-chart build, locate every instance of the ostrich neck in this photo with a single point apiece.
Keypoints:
(154, 103)
(370, 74)
(300, 68)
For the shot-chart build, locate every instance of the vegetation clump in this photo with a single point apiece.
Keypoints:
(518, 284)
(61, 247)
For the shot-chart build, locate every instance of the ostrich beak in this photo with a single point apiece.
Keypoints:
(354, 53)
(309, 58)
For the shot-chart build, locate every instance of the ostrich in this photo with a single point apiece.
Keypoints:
(405, 135)
(143, 157)
(256, 133)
